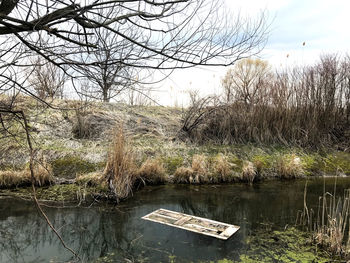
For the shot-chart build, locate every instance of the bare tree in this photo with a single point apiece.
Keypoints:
(47, 80)
(163, 34)
(247, 81)
(194, 96)
(109, 73)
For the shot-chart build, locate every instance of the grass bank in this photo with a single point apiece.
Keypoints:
(181, 163)
(76, 147)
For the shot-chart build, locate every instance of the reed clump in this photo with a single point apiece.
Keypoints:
(200, 169)
(120, 171)
(152, 171)
(330, 226)
(196, 174)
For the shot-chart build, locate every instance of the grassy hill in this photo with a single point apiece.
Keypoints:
(75, 140)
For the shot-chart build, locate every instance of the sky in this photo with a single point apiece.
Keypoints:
(322, 24)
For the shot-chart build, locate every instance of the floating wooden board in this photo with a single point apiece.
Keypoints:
(192, 223)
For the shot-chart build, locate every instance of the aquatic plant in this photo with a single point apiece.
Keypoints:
(288, 245)
(330, 226)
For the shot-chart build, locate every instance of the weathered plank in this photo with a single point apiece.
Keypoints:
(192, 223)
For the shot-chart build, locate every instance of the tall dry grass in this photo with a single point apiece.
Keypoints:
(330, 226)
(306, 106)
(248, 172)
(12, 178)
(152, 171)
(289, 166)
(120, 171)
(196, 174)
(183, 175)
(200, 167)
(221, 169)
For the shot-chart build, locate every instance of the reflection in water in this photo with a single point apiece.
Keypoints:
(120, 233)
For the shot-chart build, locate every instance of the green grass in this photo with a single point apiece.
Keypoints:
(172, 163)
(70, 166)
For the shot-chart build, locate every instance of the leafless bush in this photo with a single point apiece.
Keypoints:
(306, 106)
(47, 79)
(197, 114)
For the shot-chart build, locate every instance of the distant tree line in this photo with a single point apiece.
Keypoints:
(307, 106)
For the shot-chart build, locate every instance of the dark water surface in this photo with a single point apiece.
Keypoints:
(114, 234)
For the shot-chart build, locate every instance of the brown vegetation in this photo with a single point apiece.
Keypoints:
(305, 106)
(152, 172)
(248, 172)
(90, 179)
(196, 174)
(183, 175)
(289, 166)
(330, 226)
(221, 169)
(120, 171)
(12, 178)
(200, 168)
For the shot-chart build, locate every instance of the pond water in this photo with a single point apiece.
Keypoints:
(108, 233)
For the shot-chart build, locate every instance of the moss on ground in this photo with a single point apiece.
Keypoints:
(70, 166)
(172, 163)
(337, 162)
(66, 192)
